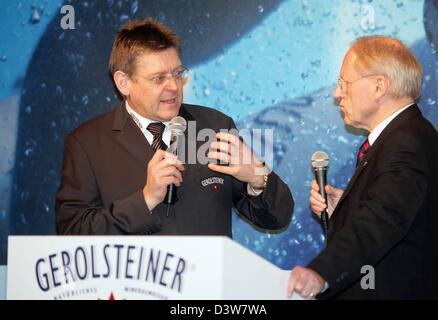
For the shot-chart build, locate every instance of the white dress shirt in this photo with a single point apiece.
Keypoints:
(143, 123)
(375, 133)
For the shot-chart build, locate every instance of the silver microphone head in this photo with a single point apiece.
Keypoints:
(178, 125)
(320, 159)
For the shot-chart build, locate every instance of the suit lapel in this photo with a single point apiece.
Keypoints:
(130, 136)
(132, 139)
(365, 160)
(403, 117)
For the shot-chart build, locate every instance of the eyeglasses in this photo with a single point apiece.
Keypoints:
(342, 84)
(179, 74)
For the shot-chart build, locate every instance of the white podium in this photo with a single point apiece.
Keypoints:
(138, 267)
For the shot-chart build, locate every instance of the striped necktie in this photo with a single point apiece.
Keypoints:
(157, 129)
(362, 151)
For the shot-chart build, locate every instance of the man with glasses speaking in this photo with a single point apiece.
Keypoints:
(384, 227)
(118, 176)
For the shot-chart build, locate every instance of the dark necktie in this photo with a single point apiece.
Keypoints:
(362, 151)
(157, 129)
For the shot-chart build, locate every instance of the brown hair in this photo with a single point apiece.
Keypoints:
(388, 56)
(137, 37)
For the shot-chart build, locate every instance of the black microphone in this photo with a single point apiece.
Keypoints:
(320, 162)
(177, 127)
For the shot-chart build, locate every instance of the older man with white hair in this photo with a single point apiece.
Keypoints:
(384, 226)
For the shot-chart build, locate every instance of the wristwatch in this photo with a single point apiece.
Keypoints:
(267, 171)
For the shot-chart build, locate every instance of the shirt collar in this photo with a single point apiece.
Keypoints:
(375, 133)
(141, 121)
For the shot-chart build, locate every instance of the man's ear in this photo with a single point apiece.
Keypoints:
(121, 81)
(381, 86)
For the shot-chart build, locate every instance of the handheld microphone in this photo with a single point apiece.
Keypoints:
(177, 127)
(320, 162)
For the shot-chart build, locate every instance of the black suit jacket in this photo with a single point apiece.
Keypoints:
(388, 218)
(104, 172)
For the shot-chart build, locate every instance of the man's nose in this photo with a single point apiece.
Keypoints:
(172, 83)
(337, 93)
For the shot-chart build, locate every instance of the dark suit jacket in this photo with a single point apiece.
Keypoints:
(104, 172)
(388, 218)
